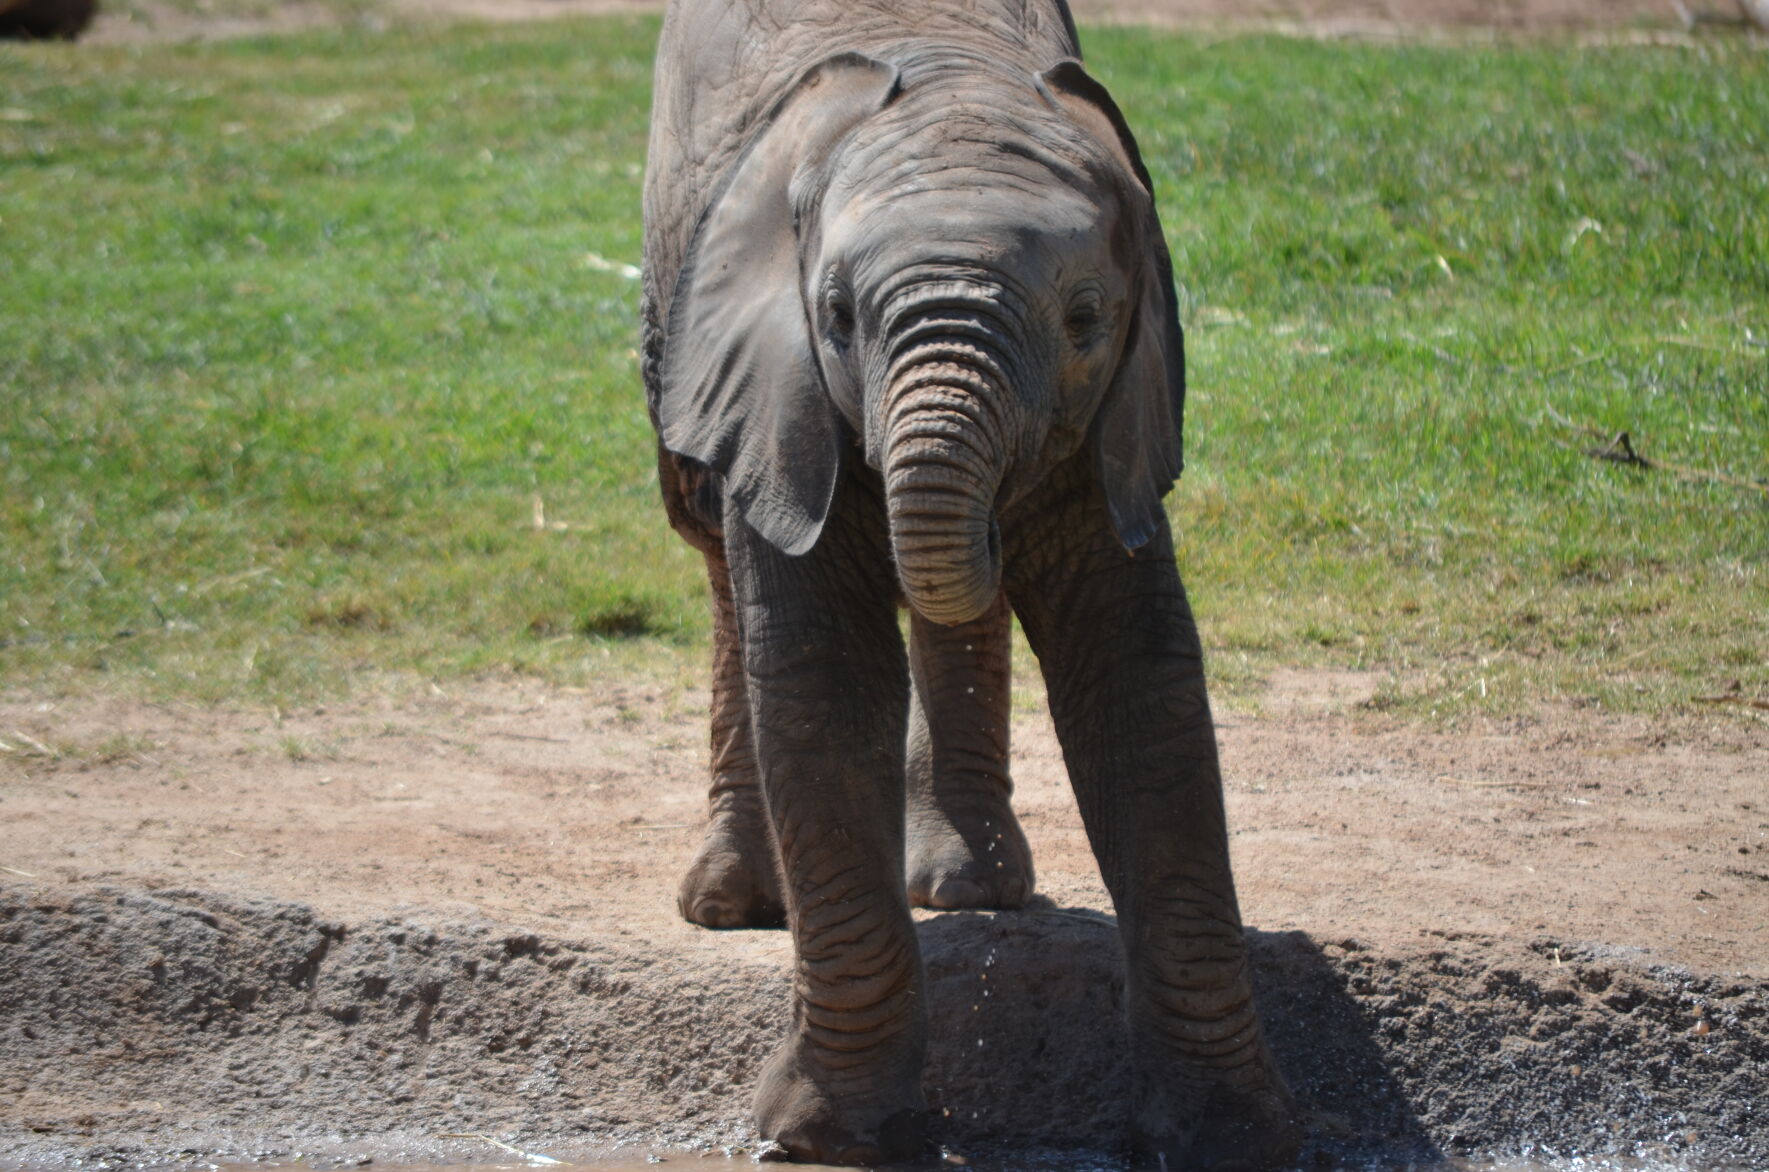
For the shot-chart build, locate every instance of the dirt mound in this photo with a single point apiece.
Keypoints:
(141, 1025)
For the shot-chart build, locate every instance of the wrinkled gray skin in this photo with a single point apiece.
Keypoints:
(910, 338)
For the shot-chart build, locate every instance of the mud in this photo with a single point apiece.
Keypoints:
(153, 1026)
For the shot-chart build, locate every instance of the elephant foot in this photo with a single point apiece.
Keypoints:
(1236, 1131)
(982, 861)
(732, 882)
(818, 1124)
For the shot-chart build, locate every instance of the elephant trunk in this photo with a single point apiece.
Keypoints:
(943, 463)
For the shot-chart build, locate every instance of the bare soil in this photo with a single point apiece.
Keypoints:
(350, 931)
(158, 20)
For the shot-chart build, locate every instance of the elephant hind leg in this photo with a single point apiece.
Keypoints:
(966, 848)
(734, 880)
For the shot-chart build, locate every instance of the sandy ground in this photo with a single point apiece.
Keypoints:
(1605, 19)
(572, 813)
(351, 931)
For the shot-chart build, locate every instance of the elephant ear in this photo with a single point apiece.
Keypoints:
(741, 388)
(1137, 433)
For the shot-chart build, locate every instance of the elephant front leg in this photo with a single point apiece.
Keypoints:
(828, 687)
(1124, 668)
(734, 880)
(966, 848)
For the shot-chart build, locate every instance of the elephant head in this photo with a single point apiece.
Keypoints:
(964, 274)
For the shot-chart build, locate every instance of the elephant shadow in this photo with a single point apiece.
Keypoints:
(1027, 1044)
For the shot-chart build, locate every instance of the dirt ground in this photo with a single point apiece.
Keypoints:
(149, 20)
(350, 931)
(572, 813)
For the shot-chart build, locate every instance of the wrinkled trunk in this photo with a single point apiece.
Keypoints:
(943, 464)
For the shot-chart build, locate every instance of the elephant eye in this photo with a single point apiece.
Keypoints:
(838, 315)
(1086, 319)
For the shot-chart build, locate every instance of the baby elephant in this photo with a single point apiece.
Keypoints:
(910, 336)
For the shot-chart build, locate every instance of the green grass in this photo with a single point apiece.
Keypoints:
(294, 331)
(154, 15)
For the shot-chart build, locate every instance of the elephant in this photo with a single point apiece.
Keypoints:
(910, 338)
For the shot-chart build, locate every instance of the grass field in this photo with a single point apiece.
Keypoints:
(296, 332)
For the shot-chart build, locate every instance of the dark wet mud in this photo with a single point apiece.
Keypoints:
(179, 1027)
